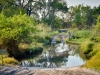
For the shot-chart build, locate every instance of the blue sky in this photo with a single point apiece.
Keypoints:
(91, 3)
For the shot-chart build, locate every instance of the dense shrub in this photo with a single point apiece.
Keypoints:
(87, 48)
(96, 33)
(8, 60)
(81, 33)
(94, 62)
(14, 30)
(41, 35)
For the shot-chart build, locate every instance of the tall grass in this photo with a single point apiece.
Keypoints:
(44, 29)
(94, 62)
(79, 36)
(87, 48)
(42, 33)
(82, 33)
(8, 60)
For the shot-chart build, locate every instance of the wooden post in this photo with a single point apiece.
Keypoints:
(69, 35)
(2, 59)
(2, 52)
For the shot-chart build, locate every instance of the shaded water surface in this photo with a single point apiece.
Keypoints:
(56, 55)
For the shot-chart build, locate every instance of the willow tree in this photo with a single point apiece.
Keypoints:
(14, 30)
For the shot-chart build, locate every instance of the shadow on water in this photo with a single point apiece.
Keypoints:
(56, 55)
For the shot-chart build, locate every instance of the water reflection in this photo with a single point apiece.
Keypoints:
(56, 55)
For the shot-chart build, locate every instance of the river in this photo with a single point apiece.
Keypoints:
(55, 56)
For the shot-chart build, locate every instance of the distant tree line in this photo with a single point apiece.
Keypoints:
(82, 16)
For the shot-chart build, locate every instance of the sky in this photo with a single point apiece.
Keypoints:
(91, 3)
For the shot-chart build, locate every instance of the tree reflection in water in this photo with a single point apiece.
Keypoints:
(56, 56)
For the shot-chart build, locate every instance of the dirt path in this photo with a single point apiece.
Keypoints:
(4, 70)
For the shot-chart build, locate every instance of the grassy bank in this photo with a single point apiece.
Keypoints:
(8, 60)
(94, 60)
(79, 36)
(89, 47)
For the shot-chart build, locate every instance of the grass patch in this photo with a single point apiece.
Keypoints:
(79, 36)
(8, 60)
(76, 41)
(81, 33)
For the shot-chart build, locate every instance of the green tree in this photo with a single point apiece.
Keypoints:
(81, 16)
(47, 9)
(57, 23)
(96, 13)
(54, 7)
(14, 30)
(9, 8)
(96, 33)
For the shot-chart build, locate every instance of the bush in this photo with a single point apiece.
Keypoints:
(8, 60)
(14, 30)
(95, 39)
(96, 48)
(94, 62)
(82, 33)
(87, 48)
(42, 33)
(96, 33)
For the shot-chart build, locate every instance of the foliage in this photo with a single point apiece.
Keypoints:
(14, 30)
(96, 48)
(54, 7)
(16, 27)
(9, 9)
(96, 34)
(94, 62)
(81, 16)
(42, 34)
(8, 60)
(57, 23)
(81, 33)
(96, 13)
(87, 48)
(34, 8)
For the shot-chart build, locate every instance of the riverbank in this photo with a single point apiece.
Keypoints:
(90, 48)
(17, 70)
